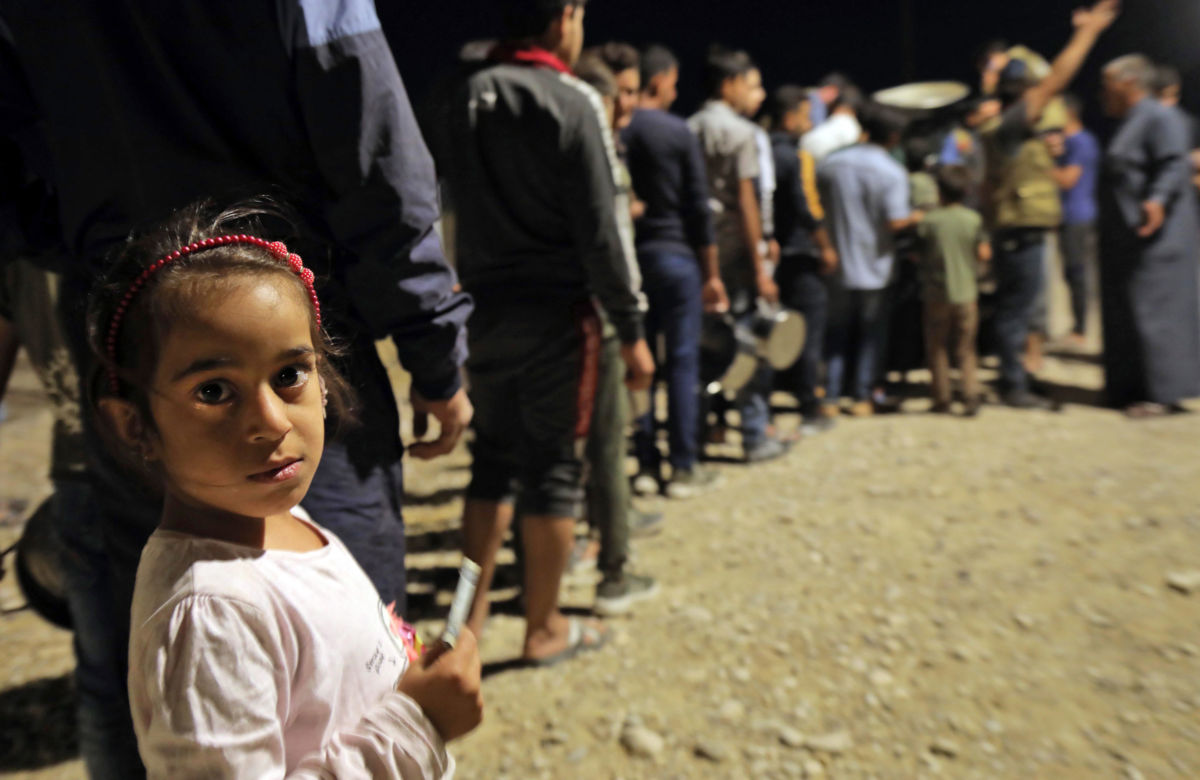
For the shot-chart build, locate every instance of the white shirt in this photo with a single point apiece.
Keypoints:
(256, 663)
(836, 132)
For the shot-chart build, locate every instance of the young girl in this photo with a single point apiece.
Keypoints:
(259, 648)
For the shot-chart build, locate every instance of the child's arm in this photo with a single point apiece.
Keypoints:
(210, 689)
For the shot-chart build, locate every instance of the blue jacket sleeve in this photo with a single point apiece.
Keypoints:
(382, 199)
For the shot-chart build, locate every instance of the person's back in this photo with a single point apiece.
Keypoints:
(863, 189)
(951, 236)
(730, 156)
(659, 146)
(532, 170)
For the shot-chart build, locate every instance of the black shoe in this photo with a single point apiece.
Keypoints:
(642, 524)
(939, 408)
(769, 449)
(616, 595)
(1028, 400)
(972, 406)
(817, 423)
(689, 483)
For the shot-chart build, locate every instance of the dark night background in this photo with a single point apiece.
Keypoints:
(801, 40)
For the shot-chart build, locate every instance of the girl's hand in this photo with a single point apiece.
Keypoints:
(446, 683)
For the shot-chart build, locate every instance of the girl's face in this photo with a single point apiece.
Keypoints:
(237, 401)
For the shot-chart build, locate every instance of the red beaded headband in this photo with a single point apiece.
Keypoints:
(276, 248)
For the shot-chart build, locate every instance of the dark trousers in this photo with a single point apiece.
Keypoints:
(608, 499)
(672, 285)
(1020, 277)
(802, 288)
(858, 328)
(1079, 248)
(959, 322)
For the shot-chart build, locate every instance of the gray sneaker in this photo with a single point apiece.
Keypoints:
(691, 482)
(645, 484)
(642, 524)
(617, 595)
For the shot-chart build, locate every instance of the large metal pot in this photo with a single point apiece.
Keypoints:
(730, 352)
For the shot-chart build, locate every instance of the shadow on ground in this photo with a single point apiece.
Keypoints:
(37, 725)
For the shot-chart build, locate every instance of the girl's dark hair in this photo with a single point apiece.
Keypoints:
(178, 287)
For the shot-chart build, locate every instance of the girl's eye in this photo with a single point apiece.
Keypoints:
(292, 376)
(214, 392)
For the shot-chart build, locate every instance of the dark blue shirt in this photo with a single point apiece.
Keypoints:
(668, 175)
(1079, 202)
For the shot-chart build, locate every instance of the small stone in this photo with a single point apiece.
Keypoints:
(789, 737)
(711, 751)
(1130, 772)
(641, 742)
(943, 746)
(731, 711)
(1184, 581)
(834, 742)
(881, 678)
(697, 614)
(741, 675)
(813, 768)
(1023, 620)
(577, 755)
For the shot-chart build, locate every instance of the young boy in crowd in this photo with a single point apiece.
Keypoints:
(953, 242)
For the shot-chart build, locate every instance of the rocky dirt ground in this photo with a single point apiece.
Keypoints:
(905, 596)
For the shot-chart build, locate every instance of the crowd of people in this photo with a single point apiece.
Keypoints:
(227, 431)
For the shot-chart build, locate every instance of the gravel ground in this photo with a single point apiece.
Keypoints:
(901, 597)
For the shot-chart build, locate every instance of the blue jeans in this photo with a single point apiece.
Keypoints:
(1020, 276)
(857, 327)
(99, 615)
(802, 288)
(672, 285)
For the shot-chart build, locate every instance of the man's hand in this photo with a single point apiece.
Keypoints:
(767, 289)
(639, 364)
(453, 414)
(774, 251)
(447, 686)
(1098, 18)
(1154, 215)
(716, 300)
(829, 260)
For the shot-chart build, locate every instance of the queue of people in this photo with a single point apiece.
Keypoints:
(239, 434)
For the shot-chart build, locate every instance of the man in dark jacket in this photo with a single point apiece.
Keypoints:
(677, 253)
(532, 169)
(148, 106)
(806, 253)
